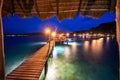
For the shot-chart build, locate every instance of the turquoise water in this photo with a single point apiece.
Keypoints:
(18, 49)
(84, 60)
(79, 60)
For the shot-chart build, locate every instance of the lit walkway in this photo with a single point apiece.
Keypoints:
(33, 66)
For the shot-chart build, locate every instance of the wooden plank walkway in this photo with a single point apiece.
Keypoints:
(31, 68)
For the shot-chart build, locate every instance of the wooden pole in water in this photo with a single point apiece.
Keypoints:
(46, 68)
(2, 57)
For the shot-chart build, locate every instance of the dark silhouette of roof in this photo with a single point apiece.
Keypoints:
(61, 8)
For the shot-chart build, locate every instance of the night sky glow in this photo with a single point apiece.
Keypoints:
(15, 24)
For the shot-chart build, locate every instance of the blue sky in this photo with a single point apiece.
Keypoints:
(15, 24)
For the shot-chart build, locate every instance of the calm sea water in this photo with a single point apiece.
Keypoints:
(79, 60)
(84, 60)
(18, 49)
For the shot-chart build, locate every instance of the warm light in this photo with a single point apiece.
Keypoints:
(95, 35)
(74, 35)
(108, 38)
(67, 34)
(80, 35)
(86, 46)
(53, 34)
(67, 52)
(60, 35)
(87, 34)
(83, 34)
(74, 47)
(97, 46)
(108, 35)
(47, 31)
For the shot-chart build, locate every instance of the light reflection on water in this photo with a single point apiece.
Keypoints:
(38, 43)
(86, 46)
(74, 47)
(93, 49)
(83, 60)
(97, 45)
(96, 48)
(67, 52)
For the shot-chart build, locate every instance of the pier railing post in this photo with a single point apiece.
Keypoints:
(46, 68)
(2, 61)
(49, 41)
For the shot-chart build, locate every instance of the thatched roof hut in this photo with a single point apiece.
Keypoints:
(62, 8)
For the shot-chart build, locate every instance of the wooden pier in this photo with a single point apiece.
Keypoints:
(31, 68)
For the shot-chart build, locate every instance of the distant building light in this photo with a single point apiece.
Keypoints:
(74, 35)
(53, 34)
(67, 34)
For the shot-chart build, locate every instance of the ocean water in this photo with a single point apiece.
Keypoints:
(79, 60)
(18, 49)
(85, 60)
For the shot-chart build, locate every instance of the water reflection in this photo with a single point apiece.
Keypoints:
(96, 48)
(57, 51)
(96, 45)
(85, 60)
(73, 43)
(108, 38)
(86, 46)
(38, 43)
(93, 49)
(52, 71)
(67, 52)
(74, 47)
(55, 56)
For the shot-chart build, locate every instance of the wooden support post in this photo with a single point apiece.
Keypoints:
(2, 61)
(49, 41)
(118, 22)
(67, 40)
(118, 28)
(46, 68)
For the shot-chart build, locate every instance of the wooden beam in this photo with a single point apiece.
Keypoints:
(118, 24)
(67, 3)
(57, 5)
(12, 7)
(112, 6)
(36, 8)
(79, 7)
(2, 61)
(118, 28)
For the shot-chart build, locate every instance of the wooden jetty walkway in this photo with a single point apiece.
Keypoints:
(31, 68)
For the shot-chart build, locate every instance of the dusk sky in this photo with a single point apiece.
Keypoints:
(15, 24)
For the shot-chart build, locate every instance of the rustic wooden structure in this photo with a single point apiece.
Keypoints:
(2, 57)
(118, 22)
(60, 8)
(118, 28)
(31, 68)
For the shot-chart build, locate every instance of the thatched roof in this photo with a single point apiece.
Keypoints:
(62, 8)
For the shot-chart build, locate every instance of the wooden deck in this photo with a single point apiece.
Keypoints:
(31, 68)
